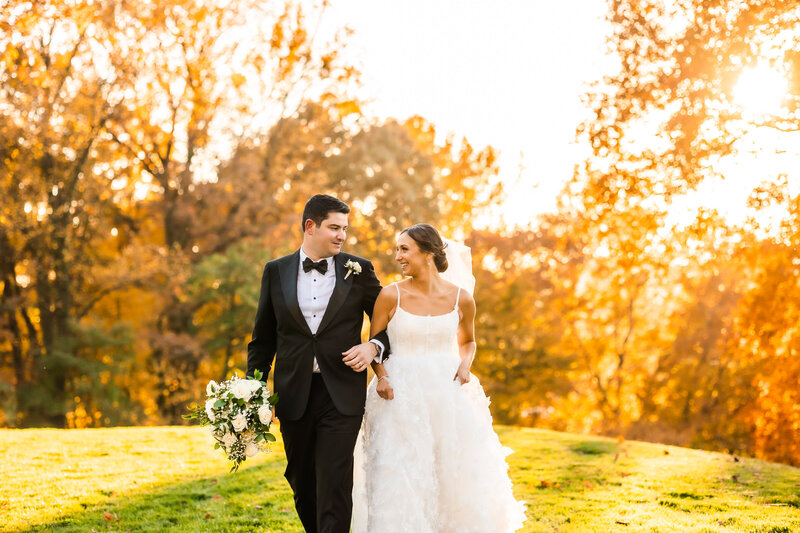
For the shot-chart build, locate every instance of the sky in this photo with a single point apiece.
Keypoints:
(511, 73)
(507, 73)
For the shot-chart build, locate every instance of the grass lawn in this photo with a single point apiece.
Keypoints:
(171, 479)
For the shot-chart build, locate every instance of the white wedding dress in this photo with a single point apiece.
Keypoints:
(429, 461)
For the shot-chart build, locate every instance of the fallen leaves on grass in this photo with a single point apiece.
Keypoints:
(544, 484)
(110, 517)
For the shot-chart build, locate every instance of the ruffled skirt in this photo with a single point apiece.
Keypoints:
(429, 461)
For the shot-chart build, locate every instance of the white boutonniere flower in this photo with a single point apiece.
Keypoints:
(352, 268)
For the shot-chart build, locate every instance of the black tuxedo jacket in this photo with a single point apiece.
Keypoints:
(282, 334)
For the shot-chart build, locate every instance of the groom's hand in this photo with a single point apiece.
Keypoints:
(360, 356)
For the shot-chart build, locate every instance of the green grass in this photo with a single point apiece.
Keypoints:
(171, 479)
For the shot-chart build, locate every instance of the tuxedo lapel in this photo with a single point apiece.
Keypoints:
(288, 276)
(340, 291)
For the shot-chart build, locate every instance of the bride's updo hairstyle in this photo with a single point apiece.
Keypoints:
(429, 242)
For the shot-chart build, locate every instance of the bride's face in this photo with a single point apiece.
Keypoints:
(412, 260)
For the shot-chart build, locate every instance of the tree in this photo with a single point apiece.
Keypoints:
(765, 333)
(56, 106)
(518, 324)
(110, 116)
(662, 124)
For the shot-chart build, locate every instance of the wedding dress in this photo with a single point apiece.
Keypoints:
(429, 461)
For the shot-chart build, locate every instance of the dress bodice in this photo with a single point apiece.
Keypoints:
(411, 334)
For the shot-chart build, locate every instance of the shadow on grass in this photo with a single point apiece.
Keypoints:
(254, 499)
(594, 447)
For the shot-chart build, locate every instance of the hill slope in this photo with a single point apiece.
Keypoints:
(171, 479)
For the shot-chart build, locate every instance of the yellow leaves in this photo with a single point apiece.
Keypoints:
(10, 56)
(199, 14)
(82, 16)
(238, 79)
(327, 60)
(278, 32)
(348, 107)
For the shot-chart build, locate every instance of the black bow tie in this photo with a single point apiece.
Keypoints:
(320, 266)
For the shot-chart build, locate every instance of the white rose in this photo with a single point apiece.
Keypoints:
(239, 422)
(255, 385)
(228, 439)
(209, 410)
(211, 387)
(241, 389)
(251, 449)
(265, 414)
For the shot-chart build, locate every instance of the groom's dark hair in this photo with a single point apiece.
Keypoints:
(318, 206)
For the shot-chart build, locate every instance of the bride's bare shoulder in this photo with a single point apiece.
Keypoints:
(466, 298)
(402, 285)
(389, 292)
(452, 288)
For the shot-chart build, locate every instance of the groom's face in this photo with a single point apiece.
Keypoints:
(327, 239)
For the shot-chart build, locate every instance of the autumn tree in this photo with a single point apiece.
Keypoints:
(111, 116)
(57, 101)
(669, 118)
(765, 334)
(518, 322)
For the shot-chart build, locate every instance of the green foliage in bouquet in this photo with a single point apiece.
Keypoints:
(239, 412)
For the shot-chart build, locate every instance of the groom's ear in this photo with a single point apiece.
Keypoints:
(307, 225)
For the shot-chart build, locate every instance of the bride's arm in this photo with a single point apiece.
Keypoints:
(466, 336)
(384, 309)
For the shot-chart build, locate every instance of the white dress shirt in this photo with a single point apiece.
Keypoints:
(314, 291)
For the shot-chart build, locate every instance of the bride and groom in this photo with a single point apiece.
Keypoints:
(414, 450)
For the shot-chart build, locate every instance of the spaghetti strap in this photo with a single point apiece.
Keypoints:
(396, 286)
(458, 295)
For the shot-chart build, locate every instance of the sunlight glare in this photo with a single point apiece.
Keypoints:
(760, 91)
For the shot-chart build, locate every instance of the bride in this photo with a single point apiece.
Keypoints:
(427, 459)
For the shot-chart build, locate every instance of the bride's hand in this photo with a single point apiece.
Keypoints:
(385, 390)
(462, 374)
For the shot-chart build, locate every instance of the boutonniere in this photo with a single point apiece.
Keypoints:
(352, 268)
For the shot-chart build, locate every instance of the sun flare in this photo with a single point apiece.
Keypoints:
(760, 91)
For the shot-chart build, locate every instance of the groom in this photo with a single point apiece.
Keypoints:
(309, 320)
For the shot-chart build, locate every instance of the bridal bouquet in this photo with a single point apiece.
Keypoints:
(240, 413)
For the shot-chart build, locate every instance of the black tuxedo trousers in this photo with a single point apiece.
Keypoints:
(320, 414)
